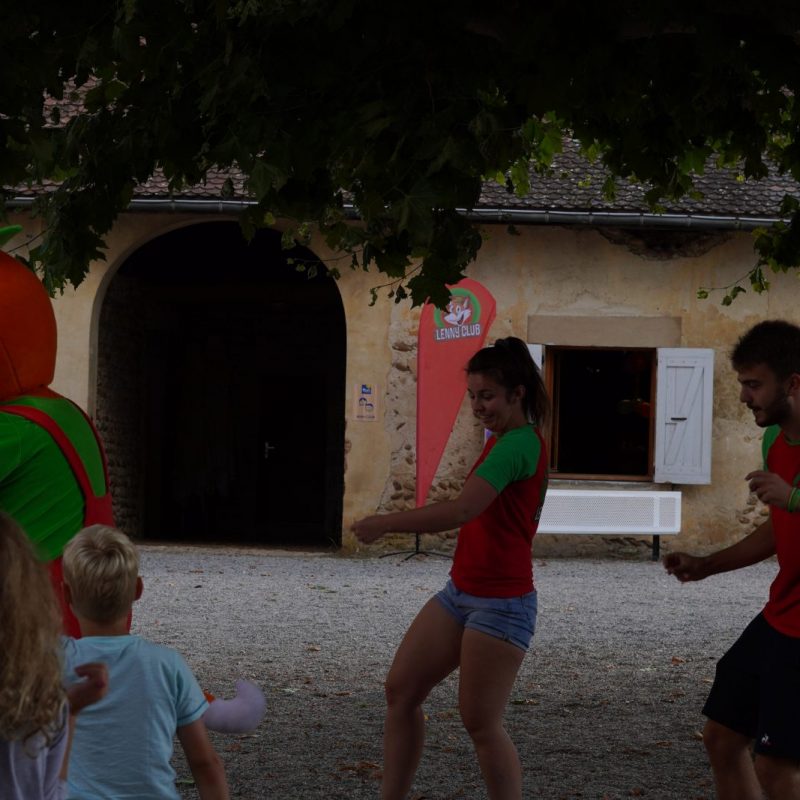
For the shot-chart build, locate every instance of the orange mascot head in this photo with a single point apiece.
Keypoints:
(27, 332)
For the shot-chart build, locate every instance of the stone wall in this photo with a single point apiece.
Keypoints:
(569, 271)
(120, 398)
(463, 447)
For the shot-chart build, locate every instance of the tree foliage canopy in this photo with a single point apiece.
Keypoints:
(400, 109)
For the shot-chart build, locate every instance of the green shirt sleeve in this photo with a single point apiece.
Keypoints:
(770, 435)
(515, 457)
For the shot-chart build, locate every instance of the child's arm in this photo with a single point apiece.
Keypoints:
(206, 766)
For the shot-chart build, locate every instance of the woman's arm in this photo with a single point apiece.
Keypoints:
(475, 497)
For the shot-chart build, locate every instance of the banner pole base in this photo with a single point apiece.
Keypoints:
(415, 552)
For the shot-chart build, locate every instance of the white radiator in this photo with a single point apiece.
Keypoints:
(611, 512)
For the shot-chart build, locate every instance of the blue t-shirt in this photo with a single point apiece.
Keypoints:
(123, 744)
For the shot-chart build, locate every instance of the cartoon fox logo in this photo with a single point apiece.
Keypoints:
(459, 310)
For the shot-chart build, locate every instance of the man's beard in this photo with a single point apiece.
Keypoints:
(778, 412)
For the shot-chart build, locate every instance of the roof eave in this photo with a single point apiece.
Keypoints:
(496, 215)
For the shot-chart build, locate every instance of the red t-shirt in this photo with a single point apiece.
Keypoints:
(493, 553)
(782, 611)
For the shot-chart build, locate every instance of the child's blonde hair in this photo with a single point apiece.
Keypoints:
(31, 691)
(101, 566)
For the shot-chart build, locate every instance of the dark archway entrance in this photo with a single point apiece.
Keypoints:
(221, 373)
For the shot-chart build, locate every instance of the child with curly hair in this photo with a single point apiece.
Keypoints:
(36, 712)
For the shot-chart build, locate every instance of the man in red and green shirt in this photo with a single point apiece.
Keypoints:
(754, 703)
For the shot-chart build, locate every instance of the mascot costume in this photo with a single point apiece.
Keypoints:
(53, 473)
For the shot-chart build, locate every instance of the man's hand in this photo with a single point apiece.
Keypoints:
(92, 688)
(770, 488)
(685, 567)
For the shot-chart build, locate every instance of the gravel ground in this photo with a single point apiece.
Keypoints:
(606, 705)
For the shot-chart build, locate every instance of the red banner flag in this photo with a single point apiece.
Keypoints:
(448, 338)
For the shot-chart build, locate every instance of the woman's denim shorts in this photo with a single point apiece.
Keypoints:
(512, 619)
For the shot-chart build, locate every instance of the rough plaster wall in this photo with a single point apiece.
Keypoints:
(570, 271)
(664, 245)
(580, 272)
(725, 511)
(462, 449)
(544, 270)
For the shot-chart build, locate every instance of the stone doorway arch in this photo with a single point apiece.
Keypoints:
(220, 391)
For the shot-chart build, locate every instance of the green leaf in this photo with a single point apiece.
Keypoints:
(610, 188)
(758, 280)
(520, 177)
(694, 160)
(130, 9)
(288, 239)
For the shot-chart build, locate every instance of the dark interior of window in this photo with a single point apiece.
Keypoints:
(602, 411)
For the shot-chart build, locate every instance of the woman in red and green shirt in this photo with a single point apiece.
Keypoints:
(483, 620)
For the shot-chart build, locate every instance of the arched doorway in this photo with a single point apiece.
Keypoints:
(220, 391)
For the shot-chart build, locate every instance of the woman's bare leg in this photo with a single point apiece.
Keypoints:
(428, 653)
(489, 668)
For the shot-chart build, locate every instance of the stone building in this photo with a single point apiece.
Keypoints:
(224, 381)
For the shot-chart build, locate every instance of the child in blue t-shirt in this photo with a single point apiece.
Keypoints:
(123, 745)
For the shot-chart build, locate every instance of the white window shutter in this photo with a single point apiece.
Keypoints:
(684, 394)
(537, 354)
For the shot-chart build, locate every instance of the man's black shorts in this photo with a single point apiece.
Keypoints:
(756, 690)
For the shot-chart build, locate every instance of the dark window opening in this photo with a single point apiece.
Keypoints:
(602, 423)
